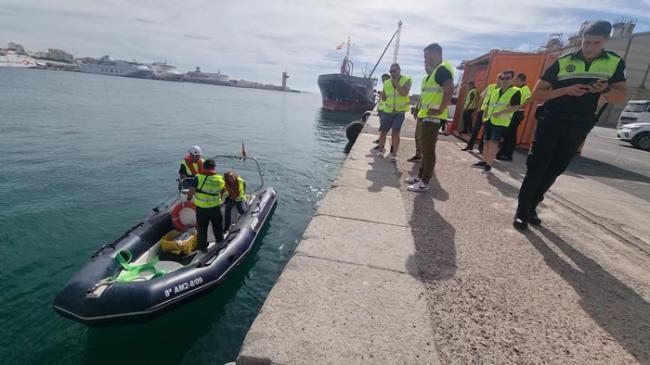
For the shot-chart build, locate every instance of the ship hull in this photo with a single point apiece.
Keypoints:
(344, 93)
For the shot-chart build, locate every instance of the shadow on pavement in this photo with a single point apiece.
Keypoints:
(613, 305)
(434, 237)
(503, 187)
(590, 167)
(381, 178)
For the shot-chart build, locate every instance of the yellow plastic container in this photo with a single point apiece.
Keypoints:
(179, 243)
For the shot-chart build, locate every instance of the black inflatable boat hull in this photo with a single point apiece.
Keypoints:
(125, 302)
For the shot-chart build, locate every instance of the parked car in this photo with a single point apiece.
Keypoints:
(638, 134)
(636, 111)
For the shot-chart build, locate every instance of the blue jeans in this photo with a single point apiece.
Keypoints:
(241, 208)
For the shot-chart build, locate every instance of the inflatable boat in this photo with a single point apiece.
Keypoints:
(154, 266)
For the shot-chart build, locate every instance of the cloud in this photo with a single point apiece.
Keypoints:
(257, 39)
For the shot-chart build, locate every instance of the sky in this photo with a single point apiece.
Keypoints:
(257, 39)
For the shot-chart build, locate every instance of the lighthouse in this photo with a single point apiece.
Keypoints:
(285, 76)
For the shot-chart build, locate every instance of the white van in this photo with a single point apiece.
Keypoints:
(636, 111)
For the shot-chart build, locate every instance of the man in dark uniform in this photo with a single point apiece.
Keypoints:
(570, 87)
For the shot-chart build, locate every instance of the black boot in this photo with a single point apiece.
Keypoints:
(533, 218)
(520, 223)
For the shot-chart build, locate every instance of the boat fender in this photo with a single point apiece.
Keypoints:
(177, 222)
(352, 130)
(366, 115)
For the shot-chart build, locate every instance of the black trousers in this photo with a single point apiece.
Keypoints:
(478, 124)
(205, 216)
(241, 208)
(510, 139)
(556, 142)
(467, 121)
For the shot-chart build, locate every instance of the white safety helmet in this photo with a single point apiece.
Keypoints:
(195, 151)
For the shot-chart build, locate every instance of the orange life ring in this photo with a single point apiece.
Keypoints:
(176, 214)
(25, 62)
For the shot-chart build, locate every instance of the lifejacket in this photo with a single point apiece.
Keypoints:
(194, 168)
(236, 189)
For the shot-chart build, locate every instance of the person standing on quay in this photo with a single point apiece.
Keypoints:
(208, 189)
(381, 103)
(471, 99)
(570, 89)
(481, 117)
(510, 139)
(502, 104)
(397, 103)
(437, 89)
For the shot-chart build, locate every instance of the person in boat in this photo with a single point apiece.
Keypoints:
(207, 190)
(191, 166)
(235, 195)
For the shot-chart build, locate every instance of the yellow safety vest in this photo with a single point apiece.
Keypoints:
(395, 102)
(499, 103)
(525, 93)
(432, 94)
(208, 191)
(195, 165)
(241, 185)
(574, 67)
(486, 100)
(470, 100)
(381, 105)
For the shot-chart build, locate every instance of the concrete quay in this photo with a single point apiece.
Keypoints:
(385, 276)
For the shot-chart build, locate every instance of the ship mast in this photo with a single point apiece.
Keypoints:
(347, 49)
(347, 66)
(399, 32)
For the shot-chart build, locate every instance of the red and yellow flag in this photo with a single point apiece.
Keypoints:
(243, 151)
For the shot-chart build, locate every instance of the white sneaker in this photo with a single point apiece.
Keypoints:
(417, 187)
(393, 157)
(412, 180)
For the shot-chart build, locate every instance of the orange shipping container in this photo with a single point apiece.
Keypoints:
(484, 70)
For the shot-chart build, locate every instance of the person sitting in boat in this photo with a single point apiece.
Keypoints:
(208, 189)
(191, 166)
(235, 195)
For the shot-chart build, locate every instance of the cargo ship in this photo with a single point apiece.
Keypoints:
(344, 92)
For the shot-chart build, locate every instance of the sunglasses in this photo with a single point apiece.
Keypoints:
(393, 71)
(505, 78)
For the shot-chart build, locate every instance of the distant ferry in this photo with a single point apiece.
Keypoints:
(9, 58)
(206, 77)
(163, 71)
(106, 66)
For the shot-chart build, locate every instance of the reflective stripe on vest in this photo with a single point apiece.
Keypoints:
(575, 68)
(499, 103)
(432, 94)
(394, 101)
(208, 191)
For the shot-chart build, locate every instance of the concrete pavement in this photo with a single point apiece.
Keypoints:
(386, 276)
(609, 183)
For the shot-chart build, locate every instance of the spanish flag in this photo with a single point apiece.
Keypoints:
(340, 46)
